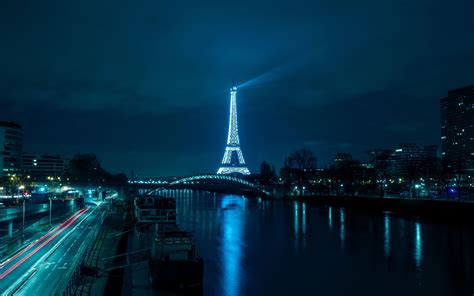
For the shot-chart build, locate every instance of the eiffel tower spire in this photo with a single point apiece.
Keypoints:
(233, 160)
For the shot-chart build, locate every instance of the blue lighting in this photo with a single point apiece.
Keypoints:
(303, 222)
(330, 217)
(232, 243)
(342, 231)
(418, 252)
(387, 234)
(296, 226)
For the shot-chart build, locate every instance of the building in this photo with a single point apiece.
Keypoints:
(457, 127)
(342, 159)
(11, 148)
(44, 167)
(409, 160)
(380, 159)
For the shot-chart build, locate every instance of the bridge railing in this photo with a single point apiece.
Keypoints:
(213, 177)
(197, 179)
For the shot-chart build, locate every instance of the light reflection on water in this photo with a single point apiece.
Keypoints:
(279, 248)
(330, 217)
(299, 224)
(296, 220)
(342, 230)
(232, 212)
(418, 254)
(303, 219)
(386, 240)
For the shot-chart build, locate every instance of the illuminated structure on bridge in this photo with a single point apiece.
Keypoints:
(209, 182)
(233, 160)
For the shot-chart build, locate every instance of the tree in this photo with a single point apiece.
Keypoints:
(86, 168)
(381, 168)
(298, 166)
(267, 173)
(347, 175)
(303, 159)
(459, 172)
(445, 174)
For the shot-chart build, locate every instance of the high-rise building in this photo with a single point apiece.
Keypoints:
(11, 148)
(233, 161)
(457, 127)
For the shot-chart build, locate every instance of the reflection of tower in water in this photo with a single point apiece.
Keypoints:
(232, 242)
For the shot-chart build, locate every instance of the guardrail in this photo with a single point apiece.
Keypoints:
(7, 244)
(67, 283)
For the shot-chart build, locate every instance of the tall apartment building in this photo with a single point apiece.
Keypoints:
(457, 127)
(11, 148)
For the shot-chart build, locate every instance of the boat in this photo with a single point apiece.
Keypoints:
(174, 263)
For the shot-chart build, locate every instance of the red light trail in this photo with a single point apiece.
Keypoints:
(61, 228)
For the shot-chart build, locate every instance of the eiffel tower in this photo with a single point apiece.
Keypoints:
(233, 161)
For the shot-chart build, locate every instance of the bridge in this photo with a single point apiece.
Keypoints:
(207, 182)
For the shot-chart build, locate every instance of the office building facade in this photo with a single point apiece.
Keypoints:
(457, 128)
(11, 148)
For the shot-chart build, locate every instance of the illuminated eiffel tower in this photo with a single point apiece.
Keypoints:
(233, 161)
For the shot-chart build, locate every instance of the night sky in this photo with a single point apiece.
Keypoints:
(144, 84)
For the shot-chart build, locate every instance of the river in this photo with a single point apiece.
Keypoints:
(257, 247)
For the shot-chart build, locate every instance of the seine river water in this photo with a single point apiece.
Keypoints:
(256, 247)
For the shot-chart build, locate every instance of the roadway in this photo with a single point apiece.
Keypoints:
(42, 265)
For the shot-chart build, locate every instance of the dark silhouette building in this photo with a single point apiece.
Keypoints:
(457, 127)
(410, 159)
(342, 158)
(44, 167)
(11, 148)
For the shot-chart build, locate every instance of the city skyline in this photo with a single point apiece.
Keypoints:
(437, 150)
(263, 147)
(147, 90)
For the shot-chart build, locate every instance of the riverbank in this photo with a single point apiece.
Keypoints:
(428, 208)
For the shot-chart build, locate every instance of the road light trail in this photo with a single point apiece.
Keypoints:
(64, 227)
(38, 240)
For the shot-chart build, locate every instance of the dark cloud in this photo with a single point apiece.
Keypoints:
(145, 84)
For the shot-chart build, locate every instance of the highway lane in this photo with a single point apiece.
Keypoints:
(41, 265)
